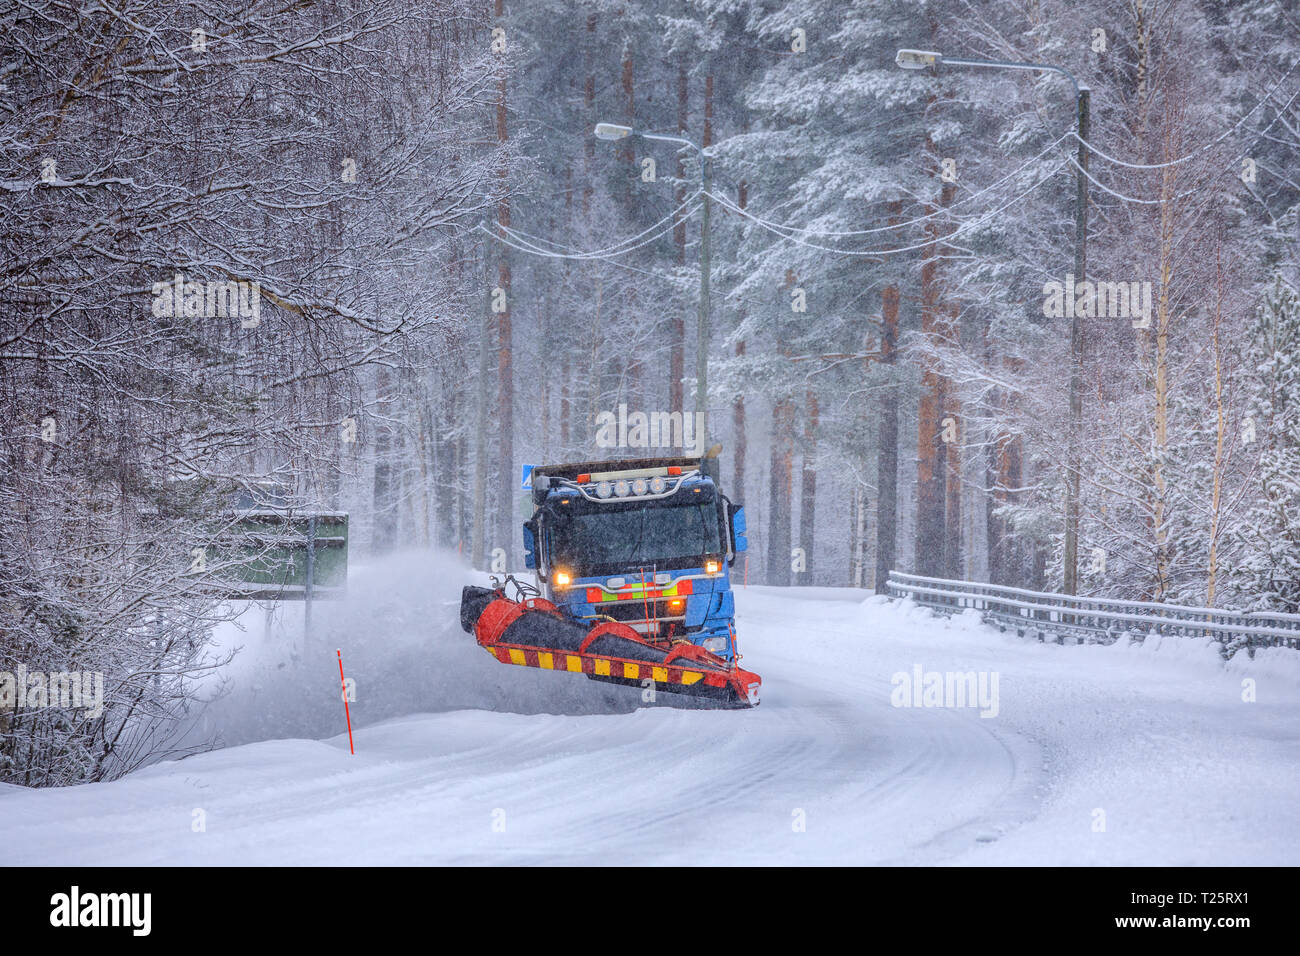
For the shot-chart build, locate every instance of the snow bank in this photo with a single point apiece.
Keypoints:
(399, 631)
(1107, 755)
(1276, 663)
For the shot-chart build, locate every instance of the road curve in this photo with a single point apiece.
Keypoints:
(826, 770)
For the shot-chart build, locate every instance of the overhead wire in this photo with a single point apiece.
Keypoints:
(1183, 195)
(945, 239)
(1208, 146)
(928, 216)
(619, 248)
(536, 245)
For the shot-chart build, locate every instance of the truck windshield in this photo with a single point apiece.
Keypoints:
(625, 538)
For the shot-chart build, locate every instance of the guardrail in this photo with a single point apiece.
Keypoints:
(1097, 620)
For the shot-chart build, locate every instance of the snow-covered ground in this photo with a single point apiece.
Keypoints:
(1098, 755)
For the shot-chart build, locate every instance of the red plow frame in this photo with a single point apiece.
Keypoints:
(533, 632)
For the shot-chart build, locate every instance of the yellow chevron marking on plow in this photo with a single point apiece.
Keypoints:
(573, 663)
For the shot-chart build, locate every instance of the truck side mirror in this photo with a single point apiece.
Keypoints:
(739, 543)
(530, 546)
(541, 487)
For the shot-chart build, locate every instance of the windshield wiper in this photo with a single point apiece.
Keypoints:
(634, 553)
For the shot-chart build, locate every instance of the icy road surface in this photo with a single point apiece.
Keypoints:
(1097, 755)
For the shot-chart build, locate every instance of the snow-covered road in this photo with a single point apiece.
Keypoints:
(1108, 755)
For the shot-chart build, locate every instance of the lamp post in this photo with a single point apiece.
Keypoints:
(612, 131)
(928, 59)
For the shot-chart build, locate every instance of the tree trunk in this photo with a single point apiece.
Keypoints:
(780, 492)
(808, 491)
(738, 425)
(677, 326)
(383, 496)
(478, 545)
(930, 457)
(634, 364)
(566, 386)
(855, 533)
(887, 447)
(1220, 433)
(589, 102)
(1008, 563)
(1160, 515)
(505, 338)
(738, 406)
(953, 467)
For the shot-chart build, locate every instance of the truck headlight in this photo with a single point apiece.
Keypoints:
(604, 489)
(716, 645)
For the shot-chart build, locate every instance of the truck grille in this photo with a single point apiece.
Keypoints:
(636, 610)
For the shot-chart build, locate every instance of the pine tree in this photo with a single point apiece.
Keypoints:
(1270, 566)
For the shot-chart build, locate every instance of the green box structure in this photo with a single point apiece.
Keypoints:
(278, 556)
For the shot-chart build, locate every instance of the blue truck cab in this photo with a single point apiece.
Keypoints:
(648, 542)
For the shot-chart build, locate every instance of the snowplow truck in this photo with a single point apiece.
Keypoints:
(633, 564)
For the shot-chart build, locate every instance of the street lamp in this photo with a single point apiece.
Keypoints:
(613, 131)
(927, 59)
(917, 59)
